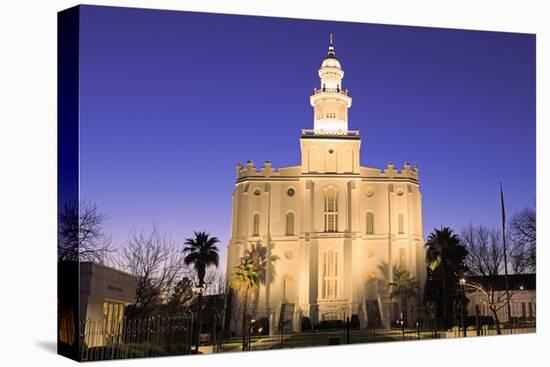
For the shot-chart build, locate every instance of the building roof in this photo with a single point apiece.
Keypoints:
(515, 281)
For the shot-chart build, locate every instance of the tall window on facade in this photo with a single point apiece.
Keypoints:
(290, 224)
(402, 259)
(370, 223)
(331, 210)
(256, 225)
(330, 274)
(400, 223)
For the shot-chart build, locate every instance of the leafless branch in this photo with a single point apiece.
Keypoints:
(80, 233)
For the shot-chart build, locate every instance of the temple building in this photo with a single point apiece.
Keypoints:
(334, 231)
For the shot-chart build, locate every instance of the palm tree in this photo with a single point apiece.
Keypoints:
(245, 278)
(258, 255)
(404, 287)
(445, 256)
(201, 252)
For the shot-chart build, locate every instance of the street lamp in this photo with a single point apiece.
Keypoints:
(199, 290)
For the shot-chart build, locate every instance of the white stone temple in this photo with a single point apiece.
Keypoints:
(335, 230)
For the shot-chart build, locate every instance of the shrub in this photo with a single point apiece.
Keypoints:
(354, 322)
(331, 325)
(305, 323)
(262, 322)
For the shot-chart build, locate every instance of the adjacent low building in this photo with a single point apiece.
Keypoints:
(93, 301)
(104, 292)
(523, 297)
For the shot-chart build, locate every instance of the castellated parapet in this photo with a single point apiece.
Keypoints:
(249, 170)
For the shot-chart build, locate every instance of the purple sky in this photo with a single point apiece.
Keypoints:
(172, 101)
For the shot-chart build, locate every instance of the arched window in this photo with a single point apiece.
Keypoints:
(330, 274)
(331, 210)
(370, 223)
(256, 225)
(290, 224)
(400, 223)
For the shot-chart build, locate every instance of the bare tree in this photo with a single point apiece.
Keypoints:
(80, 233)
(215, 283)
(494, 299)
(485, 253)
(155, 260)
(485, 260)
(523, 235)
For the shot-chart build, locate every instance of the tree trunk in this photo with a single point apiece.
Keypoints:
(403, 308)
(497, 321)
(245, 316)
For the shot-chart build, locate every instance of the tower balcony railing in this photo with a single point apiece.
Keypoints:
(338, 133)
(344, 92)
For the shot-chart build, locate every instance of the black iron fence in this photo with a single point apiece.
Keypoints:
(316, 337)
(136, 338)
(163, 336)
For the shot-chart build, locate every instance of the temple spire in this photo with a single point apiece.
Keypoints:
(331, 102)
(331, 47)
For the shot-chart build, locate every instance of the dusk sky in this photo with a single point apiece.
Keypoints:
(172, 101)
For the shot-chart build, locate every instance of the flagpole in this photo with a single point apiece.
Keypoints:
(505, 258)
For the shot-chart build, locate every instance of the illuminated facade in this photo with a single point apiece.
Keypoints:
(334, 229)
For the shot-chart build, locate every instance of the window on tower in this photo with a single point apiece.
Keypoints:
(370, 223)
(290, 224)
(256, 225)
(331, 210)
(402, 259)
(400, 223)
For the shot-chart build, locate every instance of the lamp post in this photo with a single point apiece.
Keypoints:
(199, 290)
(402, 329)
(463, 284)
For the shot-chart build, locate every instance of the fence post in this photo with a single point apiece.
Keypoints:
(282, 323)
(347, 330)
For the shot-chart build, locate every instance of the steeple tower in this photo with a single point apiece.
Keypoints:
(331, 102)
(330, 147)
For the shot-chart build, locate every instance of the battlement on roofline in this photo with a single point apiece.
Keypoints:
(268, 171)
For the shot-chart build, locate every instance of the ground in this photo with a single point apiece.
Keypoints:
(324, 338)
